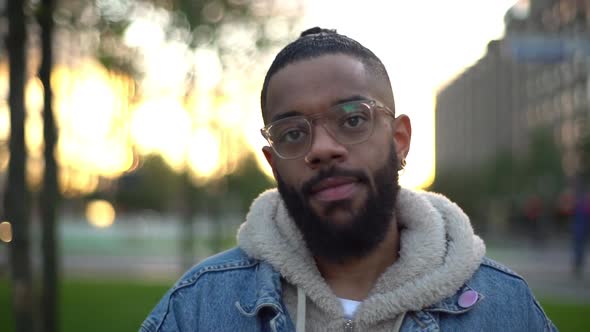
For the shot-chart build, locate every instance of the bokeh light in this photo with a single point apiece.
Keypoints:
(100, 213)
(5, 232)
(92, 115)
(162, 125)
(204, 157)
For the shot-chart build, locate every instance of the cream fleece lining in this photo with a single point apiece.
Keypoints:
(439, 252)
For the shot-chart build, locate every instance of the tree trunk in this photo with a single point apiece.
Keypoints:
(187, 227)
(16, 203)
(49, 193)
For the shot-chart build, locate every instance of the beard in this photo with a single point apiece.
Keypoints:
(338, 242)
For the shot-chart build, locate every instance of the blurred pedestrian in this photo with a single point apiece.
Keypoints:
(580, 227)
(534, 212)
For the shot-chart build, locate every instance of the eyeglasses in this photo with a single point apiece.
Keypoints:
(348, 123)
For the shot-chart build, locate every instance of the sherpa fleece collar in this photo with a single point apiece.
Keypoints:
(438, 254)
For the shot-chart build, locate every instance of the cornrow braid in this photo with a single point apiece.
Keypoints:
(316, 42)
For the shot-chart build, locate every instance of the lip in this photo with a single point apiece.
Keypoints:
(334, 189)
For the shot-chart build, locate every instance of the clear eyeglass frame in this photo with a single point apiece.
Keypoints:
(309, 121)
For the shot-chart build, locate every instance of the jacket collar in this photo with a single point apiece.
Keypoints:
(268, 292)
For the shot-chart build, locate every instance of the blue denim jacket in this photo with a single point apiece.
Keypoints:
(233, 292)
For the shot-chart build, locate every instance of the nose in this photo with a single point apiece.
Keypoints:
(324, 149)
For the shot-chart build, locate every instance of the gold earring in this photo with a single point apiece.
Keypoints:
(402, 164)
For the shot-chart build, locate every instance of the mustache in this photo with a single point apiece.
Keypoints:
(332, 172)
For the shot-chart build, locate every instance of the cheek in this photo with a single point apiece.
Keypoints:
(381, 144)
(292, 173)
(372, 155)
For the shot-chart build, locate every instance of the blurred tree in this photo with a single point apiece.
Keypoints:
(237, 29)
(506, 179)
(50, 192)
(463, 186)
(247, 183)
(150, 187)
(543, 164)
(189, 195)
(498, 175)
(16, 199)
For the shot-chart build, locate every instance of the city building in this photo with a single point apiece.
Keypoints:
(535, 77)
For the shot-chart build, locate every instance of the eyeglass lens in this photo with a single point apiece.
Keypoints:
(349, 123)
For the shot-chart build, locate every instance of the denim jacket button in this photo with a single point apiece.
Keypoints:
(468, 298)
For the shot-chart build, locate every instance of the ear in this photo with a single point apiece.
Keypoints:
(268, 154)
(402, 135)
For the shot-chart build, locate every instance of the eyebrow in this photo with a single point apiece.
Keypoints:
(351, 99)
(285, 115)
(337, 102)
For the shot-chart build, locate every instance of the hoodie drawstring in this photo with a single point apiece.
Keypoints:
(300, 327)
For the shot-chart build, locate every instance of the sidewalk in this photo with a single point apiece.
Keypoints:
(547, 269)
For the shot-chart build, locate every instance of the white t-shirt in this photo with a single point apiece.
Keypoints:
(349, 306)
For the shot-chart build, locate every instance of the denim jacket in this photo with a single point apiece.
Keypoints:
(234, 292)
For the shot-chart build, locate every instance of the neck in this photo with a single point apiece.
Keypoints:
(353, 279)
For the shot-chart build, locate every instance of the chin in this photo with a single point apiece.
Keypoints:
(340, 217)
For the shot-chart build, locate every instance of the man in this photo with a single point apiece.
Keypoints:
(340, 246)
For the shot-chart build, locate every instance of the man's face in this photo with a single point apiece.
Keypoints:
(340, 196)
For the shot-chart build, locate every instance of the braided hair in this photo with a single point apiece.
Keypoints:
(316, 42)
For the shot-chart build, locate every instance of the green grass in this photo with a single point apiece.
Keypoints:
(568, 316)
(107, 306)
(6, 323)
(96, 305)
(88, 305)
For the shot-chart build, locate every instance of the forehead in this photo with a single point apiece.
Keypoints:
(312, 85)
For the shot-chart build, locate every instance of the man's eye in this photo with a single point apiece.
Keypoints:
(354, 121)
(292, 136)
